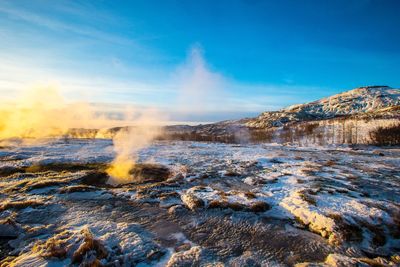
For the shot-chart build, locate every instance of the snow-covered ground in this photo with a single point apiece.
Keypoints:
(223, 204)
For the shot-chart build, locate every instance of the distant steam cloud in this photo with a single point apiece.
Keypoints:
(43, 112)
(199, 88)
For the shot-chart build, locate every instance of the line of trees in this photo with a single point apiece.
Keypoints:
(340, 131)
(389, 135)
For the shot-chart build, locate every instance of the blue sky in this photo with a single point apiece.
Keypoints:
(198, 60)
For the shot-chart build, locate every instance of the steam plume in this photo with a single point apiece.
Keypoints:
(128, 142)
(42, 112)
(197, 85)
(200, 89)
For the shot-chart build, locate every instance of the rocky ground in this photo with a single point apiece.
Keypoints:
(199, 204)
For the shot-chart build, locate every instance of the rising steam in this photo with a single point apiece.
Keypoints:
(127, 143)
(42, 112)
(199, 88)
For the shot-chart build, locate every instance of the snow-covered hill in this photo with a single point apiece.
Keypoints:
(360, 100)
(345, 118)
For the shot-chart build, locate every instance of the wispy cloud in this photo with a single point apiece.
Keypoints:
(193, 93)
(57, 25)
(113, 71)
(17, 77)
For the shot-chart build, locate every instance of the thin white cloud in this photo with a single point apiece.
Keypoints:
(56, 25)
(15, 77)
(220, 96)
(194, 89)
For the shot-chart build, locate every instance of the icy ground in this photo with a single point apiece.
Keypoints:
(223, 205)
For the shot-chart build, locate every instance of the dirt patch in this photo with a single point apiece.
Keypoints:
(54, 247)
(46, 183)
(20, 204)
(77, 188)
(89, 247)
(349, 232)
(8, 170)
(222, 204)
(58, 167)
(150, 173)
(95, 178)
(306, 195)
(192, 202)
(250, 195)
(259, 206)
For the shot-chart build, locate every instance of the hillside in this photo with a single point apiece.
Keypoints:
(367, 99)
(351, 117)
(347, 118)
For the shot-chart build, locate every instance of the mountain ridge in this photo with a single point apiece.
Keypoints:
(348, 117)
(366, 99)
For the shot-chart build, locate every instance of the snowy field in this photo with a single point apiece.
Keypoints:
(221, 205)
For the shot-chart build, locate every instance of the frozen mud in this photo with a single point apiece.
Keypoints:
(221, 205)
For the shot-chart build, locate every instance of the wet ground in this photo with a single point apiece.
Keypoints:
(233, 205)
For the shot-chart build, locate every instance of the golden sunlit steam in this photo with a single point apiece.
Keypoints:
(127, 143)
(34, 115)
(42, 112)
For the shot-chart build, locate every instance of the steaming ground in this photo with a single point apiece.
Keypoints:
(220, 204)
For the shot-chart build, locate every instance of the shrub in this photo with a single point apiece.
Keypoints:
(386, 135)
